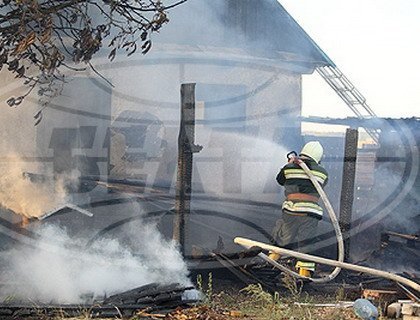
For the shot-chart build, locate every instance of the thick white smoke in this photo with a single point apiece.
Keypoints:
(61, 269)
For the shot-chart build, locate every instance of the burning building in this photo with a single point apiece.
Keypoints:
(117, 145)
(247, 59)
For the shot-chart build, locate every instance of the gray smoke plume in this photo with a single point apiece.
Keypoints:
(238, 89)
(61, 269)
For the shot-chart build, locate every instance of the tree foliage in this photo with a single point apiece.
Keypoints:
(38, 38)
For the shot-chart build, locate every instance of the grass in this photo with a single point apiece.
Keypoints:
(253, 302)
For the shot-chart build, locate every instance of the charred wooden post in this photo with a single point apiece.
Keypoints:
(186, 149)
(347, 188)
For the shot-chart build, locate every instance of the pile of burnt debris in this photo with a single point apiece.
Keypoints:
(392, 298)
(149, 299)
(244, 270)
(241, 269)
(398, 253)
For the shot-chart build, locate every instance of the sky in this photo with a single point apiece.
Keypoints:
(375, 43)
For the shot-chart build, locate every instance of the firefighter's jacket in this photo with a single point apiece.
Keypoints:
(301, 195)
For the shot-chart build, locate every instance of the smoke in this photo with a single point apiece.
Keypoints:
(242, 95)
(244, 165)
(24, 197)
(386, 188)
(56, 267)
(61, 269)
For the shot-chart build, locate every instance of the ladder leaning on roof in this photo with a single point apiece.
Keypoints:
(350, 95)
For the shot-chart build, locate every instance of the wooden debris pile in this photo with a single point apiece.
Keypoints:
(154, 298)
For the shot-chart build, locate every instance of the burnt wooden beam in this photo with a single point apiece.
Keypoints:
(347, 187)
(152, 297)
(186, 149)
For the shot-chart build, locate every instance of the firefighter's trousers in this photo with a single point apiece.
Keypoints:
(296, 232)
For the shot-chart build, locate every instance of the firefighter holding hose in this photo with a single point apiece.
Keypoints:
(301, 212)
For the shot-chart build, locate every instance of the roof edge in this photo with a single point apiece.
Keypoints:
(299, 27)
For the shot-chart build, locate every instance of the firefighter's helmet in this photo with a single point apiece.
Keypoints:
(314, 150)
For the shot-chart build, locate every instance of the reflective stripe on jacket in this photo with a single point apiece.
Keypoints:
(301, 195)
(300, 174)
(302, 209)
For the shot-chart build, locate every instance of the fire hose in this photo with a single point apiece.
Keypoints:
(334, 222)
(338, 264)
(247, 243)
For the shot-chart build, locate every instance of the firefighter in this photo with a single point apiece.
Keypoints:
(301, 211)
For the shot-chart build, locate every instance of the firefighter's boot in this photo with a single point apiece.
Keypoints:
(305, 269)
(274, 256)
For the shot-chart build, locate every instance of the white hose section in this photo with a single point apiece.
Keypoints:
(247, 243)
(334, 222)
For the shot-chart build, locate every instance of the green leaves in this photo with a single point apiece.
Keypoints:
(40, 38)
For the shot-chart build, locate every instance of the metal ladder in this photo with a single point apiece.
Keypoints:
(350, 95)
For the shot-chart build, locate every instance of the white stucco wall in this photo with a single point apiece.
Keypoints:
(268, 93)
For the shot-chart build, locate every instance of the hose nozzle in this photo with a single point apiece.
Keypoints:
(291, 155)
